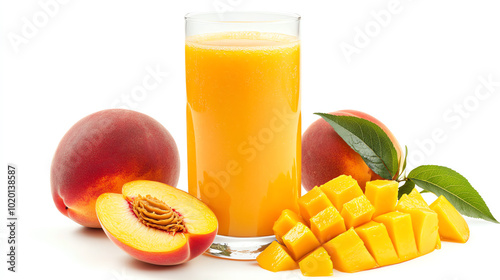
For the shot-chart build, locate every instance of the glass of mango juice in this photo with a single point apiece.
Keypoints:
(243, 123)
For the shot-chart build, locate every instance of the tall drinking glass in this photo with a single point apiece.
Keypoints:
(243, 123)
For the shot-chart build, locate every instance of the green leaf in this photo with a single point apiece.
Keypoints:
(369, 141)
(457, 190)
(406, 188)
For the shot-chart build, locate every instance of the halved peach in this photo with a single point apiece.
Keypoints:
(157, 223)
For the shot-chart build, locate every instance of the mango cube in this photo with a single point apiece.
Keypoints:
(312, 203)
(416, 195)
(452, 225)
(276, 258)
(383, 195)
(357, 211)
(341, 190)
(327, 224)
(381, 230)
(377, 241)
(425, 227)
(400, 230)
(407, 202)
(287, 220)
(424, 221)
(300, 240)
(316, 263)
(348, 253)
(411, 201)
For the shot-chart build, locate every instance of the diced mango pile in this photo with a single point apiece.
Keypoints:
(340, 227)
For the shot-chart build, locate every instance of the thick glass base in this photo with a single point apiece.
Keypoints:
(238, 248)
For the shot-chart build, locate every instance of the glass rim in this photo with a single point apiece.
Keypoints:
(216, 17)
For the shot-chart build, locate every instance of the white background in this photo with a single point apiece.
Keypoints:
(414, 74)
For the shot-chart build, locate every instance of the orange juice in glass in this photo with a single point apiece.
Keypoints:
(243, 123)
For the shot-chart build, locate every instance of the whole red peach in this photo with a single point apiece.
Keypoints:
(103, 151)
(325, 155)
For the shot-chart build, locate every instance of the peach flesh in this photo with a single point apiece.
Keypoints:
(153, 245)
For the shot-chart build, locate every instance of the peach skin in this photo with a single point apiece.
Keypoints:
(325, 155)
(103, 151)
(157, 223)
